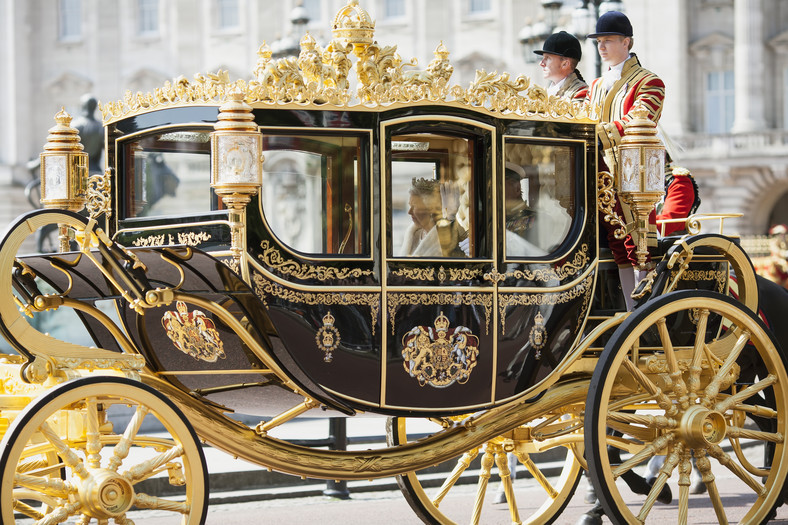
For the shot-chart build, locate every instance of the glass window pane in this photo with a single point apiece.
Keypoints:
(395, 8)
(168, 174)
(148, 16)
(479, 6)
(70, 21)
(539, 197)
(430, 195)
(228, 14)
(312, 192)
(312, 8)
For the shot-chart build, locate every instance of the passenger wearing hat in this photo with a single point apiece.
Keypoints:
(623, 86)
(560, 55)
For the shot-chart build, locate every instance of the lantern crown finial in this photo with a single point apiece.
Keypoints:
(62, 136)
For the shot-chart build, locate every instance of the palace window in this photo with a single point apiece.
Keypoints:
(479, 6)
(394, 8)
(70, 19)
(719, 101)
(228, 16)
(147, 17)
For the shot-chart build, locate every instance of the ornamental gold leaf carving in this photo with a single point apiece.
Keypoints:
(273, 259)
(560, 273)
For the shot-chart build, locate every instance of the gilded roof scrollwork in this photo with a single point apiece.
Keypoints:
(322, 77)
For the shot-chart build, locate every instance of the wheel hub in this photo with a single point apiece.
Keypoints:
(701, 427)
(106, 494)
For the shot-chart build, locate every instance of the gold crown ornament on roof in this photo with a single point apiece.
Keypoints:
(320, 77)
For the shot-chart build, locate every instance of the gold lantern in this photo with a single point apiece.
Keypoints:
(64, 167)
(236, 163)
(641, 177)
(64, 172)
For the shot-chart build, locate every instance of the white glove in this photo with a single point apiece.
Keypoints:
(450, 199)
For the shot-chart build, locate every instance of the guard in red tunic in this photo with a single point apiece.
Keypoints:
(624, 85)
(681, 200)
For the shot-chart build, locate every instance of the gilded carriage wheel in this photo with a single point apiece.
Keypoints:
(694, 376)
(102, 448)
(549, 471)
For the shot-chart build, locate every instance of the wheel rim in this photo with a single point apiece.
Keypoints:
(63, 452)
(548, 471)
(698, 392)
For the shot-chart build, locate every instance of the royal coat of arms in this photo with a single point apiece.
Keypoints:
(193, 333)
(439, 356)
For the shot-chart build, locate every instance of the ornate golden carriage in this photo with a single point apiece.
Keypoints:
(260, 247)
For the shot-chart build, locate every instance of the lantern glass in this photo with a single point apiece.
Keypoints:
(238, 158)
(55, 177)
(630, 170)
(655, 169)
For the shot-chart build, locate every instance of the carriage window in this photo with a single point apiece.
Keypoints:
(168, 174)
(539, 189)
(430, 195)
(312, 192)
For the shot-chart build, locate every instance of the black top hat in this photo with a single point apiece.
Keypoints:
(562, 44)
(612, 23)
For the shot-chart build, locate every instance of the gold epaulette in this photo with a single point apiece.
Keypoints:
(678, 171)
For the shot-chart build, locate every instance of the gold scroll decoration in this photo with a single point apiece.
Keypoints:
(505, 300)
(440, 356)
(395, 300)
(606, 200)
(560, 273)
(264, 288)
(273, 259)
(193, 333)
(327, 337)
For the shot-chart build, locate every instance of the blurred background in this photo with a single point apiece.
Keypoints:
(724, 62)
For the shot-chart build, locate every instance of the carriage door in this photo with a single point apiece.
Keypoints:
(438, 249)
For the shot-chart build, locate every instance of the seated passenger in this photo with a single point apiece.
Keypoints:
(434, 232)
(519, 218)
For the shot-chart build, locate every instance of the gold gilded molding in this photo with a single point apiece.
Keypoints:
(193, 333)
(606, 200)
(99, 197)
(327, 337)
(395, 300)
(428, 274)
(165, 239)
(273, 259)
(505, 300)
(416, 274)
(232, 264)
(568, 269)
(321, 77)
(721, 277)
(440, 357)
(263, 288)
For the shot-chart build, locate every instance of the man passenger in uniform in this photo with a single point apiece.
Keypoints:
(560, 55)
(623, 86)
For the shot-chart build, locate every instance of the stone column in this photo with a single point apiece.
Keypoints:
(749, 66)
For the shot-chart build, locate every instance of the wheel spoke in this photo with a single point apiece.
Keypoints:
(685, 470)
(662, 400)
(674, 372)
(698, 354)
(746, 393)
(662, 422)
(93, 443)
(540, 478)
(27, 510)
(649, 451)
(481, 489)
(147, 468)
(746, 433)
(64, 451)
(144, 501)
(462, 464)
(54, 487)
(717, 381)
(704, 467)
(501, 461)
(671, 460)
(122, 448)
(60, 514)
(725, 460)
